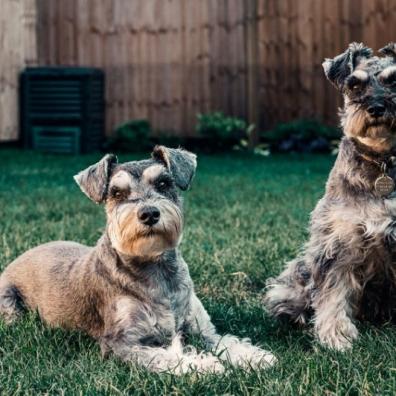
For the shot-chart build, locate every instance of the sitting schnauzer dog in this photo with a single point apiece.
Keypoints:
(132, 291)
(347, 270)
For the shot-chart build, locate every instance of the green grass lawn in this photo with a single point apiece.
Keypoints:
(245, 216)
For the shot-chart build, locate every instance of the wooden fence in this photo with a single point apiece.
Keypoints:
(167, 60)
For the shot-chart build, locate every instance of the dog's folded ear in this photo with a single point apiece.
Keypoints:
(94, 180)
(181, 163)
(389, 50)
(340, 67)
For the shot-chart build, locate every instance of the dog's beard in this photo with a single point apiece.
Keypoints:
(377, 133)
(130, 237)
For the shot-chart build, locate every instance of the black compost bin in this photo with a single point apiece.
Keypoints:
(62, 109)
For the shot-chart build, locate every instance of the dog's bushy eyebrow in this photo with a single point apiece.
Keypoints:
(388, 72)
(121, 179)
(153, 171)
(360, 75)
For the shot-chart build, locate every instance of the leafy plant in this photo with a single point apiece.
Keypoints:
(132, 136)
(224, 132)
(221, 130)
(302, 135)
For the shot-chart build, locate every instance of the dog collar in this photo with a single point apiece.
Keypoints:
(371, 155)
(384, 185)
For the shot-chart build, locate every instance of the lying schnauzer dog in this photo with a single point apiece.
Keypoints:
(132, 291)
(347, 270)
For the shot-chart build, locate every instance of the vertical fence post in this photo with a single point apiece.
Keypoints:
(251, 36)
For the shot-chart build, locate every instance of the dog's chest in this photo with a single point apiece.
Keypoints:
(379, 239)
(173, 296)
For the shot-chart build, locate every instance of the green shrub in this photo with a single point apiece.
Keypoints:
(302, 135)
(132, 136)
(305, 129)
(220, 129)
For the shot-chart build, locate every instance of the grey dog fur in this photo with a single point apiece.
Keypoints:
(132, 291)
(347, 270)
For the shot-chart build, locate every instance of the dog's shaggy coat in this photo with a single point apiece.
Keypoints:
(132, 291)
(347, 270)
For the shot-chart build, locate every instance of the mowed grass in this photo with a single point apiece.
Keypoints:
(245, 216)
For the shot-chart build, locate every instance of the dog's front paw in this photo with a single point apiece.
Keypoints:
(178, 360)
(339, 335)
(242, 353)
(201, 364)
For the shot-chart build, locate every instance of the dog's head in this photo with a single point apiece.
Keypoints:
(143, 206)
(369, 86)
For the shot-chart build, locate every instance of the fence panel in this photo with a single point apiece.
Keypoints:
(167, 60)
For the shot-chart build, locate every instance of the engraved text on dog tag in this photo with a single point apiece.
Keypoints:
(384, 185)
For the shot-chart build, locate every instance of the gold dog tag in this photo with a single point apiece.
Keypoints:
(384, 185)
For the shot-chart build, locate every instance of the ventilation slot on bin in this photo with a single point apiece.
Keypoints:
(57, 139)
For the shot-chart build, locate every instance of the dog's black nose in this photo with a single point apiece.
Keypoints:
(377, 110)
(148, 215)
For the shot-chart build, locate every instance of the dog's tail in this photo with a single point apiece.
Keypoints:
(10, 300)
(288, 295)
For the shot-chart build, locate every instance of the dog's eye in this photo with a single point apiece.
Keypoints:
(355, 84)
(390, 81)
(117, 193)
(163, 184)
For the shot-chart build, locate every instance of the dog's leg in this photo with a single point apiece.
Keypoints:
(9, 301)
(238, 352)
(333, 314)
(133, 331)
(172, 359)
(287, 295)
